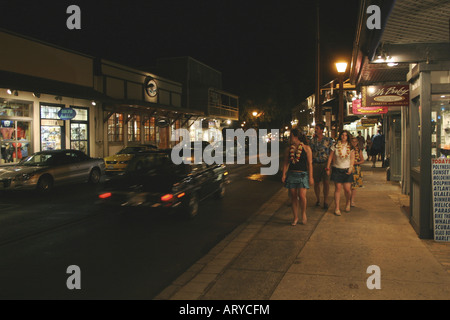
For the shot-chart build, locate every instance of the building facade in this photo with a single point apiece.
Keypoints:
(202, 90)
(406, 52)
(55, 98)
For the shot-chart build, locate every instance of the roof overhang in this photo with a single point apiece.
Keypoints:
(413, 31)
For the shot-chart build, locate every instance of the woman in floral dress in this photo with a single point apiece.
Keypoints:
(357, 174)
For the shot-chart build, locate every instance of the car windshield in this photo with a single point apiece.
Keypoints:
(38, 160)
(130, 150)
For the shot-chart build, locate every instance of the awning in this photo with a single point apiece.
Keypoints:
(21, 82)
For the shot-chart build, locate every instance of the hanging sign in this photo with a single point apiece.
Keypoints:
(359, 109)
(67, 114)
(440, 177)
(387, 96)
(162, 122)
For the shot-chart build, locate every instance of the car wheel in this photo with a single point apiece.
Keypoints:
(192, 204)
(220, 193)
(45, 184)
(94, 176)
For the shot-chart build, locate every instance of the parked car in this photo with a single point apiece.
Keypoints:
(159, 184)
(117, 163)
(46, 169)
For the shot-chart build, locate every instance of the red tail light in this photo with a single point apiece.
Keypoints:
(167, 197)
(105, 195)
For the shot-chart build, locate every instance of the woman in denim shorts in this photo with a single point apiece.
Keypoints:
(343, 156)
(298, 173)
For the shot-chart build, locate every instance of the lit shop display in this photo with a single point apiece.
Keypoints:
(15, 131)
(79, 130)
(52, 128)
(440, 131)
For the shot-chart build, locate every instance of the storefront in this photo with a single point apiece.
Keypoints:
(140, 108)
(47, 101)
(417, 131)
(430, 136)
(30, 122)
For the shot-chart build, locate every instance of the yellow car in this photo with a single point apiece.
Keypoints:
(118, 162)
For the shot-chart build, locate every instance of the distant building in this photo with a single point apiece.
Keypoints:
(202, 90)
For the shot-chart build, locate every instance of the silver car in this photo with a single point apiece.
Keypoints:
(46, 169)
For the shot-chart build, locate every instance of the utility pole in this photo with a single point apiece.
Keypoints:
(318, 105)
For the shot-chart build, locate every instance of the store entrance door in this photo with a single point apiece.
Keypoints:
(52, 135)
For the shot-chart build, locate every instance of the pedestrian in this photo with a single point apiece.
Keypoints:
(320, 147)
(357, 174)
(298, 173)
(377, 148)
(342, 156)
(361, 141)
(368, 147)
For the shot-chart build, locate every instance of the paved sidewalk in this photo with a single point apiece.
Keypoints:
(268, 259)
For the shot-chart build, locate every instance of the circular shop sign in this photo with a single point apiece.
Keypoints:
(67, 114)
(151, 88)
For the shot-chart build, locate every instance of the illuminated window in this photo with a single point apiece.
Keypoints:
(134, 128)
(115, 128)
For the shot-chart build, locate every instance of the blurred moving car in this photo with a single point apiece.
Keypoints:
(230, 149)
(46, 169)
(160, 184)
(118, 162)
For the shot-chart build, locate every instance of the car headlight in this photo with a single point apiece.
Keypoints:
(23, 176)
(124, 162)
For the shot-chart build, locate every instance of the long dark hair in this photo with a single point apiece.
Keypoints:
(300, 135)
(349, 137)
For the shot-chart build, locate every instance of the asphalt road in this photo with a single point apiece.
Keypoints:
(120, 255)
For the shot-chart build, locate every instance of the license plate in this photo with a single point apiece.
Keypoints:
(110, 167)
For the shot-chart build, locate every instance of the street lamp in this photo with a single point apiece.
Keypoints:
(341, 68)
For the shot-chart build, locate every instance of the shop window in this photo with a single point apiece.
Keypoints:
(175, 137)
(134, 128)
(115, 128)
(52, 128)
(416, 141)
(440, 126)
(151, 132)
(15, 140)
(79, 130)
(50, 112)
(14, 109)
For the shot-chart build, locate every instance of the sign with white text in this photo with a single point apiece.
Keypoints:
(440, 180)
(385, 96)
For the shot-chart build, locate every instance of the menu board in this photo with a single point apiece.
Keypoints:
(440, 176)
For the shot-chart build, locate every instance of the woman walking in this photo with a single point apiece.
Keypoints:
(342, 155)
(298, 173)
(357, 174)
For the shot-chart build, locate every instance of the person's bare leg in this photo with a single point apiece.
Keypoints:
(294, 205)
(317, 191)
(302, 196)
(326, 191)
(348, 195)
(337, 197)
(352, 199)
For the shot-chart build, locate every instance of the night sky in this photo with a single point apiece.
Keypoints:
(263, 48)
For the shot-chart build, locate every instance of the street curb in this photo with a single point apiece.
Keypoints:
(194, 282)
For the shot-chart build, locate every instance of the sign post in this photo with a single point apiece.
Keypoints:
(440, 180)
